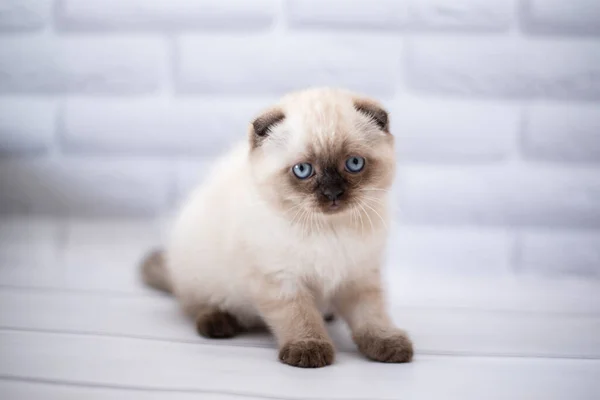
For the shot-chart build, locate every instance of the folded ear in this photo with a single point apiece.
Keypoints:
(262, 125)
(375, 111)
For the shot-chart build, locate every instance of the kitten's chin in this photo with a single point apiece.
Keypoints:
(333, 208)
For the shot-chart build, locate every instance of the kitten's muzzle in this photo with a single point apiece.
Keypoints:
(332, 199)
(332, 185)
(334, 193)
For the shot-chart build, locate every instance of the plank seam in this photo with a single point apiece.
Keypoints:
(255, 346)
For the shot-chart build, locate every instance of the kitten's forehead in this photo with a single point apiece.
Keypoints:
(320, 123)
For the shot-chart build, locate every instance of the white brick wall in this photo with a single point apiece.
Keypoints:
(438, 131)
(377, 14)
(101, 65)
(116, 107)
(24, 15)
(559, 16)
(514, 195)
(575, 252)
(274, 64)
(19, 132)
(505, 67)
(84, 15)
(85, 185)
(158, 126)
(475, 15)
(559, 132)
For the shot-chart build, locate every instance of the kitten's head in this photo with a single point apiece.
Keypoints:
(323, 152)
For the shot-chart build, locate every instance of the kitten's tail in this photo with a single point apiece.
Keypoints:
(154, 271)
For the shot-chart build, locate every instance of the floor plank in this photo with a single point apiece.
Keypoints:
(93, 255)
(434, 331)
(29, 251)
(37, 390)
(131, 363)
(119, 274)
(76, 323)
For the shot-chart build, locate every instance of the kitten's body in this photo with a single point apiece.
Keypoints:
(226, 235)
(254, 245)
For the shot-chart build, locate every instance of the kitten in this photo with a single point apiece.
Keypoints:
(290, 223)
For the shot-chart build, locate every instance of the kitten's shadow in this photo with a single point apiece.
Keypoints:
(261, 337)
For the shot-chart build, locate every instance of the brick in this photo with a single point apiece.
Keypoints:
(563, 133)
(86, 15)
(156, 125)
(26, 125)
(509, 195)
(473, 251)
(436, 131)
(560, 253)
(269, 65)
(24, 15)
(480, 15)
(81, 65)
(505, 68)
(96, 187)
(377, 14)
(559, 16)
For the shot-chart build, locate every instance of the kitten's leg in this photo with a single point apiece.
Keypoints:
(216, 324)
(361, 303)
(298, 326)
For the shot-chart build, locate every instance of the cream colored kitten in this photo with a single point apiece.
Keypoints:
(291, 223)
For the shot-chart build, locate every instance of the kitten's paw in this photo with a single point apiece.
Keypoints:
(310, 353)
(394, 348)
(218, 325)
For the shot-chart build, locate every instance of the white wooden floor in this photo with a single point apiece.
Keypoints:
(76, 324)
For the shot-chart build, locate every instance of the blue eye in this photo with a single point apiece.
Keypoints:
(355, 164)
(303, 170)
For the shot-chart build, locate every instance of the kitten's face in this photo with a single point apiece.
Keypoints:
(331, 180)
(323, 152)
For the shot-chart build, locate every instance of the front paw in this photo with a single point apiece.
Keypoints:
(311, 353)
(390, 348)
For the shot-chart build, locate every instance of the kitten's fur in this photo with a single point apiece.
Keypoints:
(254, 243)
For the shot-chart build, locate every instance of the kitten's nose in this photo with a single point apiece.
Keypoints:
(333, 193)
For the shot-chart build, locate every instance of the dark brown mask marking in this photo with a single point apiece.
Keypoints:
(331, 185)
(263, 124)
(378, 114)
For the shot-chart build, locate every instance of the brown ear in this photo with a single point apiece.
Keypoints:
(372, 109)
(263, 124)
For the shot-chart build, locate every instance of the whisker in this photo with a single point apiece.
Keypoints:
(358, 218)
(317, 223)
(293, 221)
(376, 213)
(367, 215)
(362, 224)
(372, 190)
(293, 208)
(380, 201)
(305, 221)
